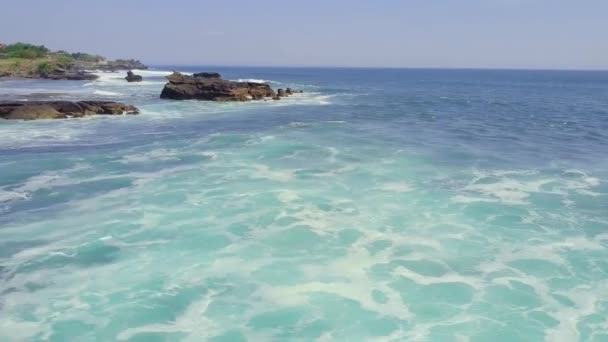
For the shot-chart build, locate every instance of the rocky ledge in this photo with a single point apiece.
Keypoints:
(34, 110)
(209, 86)
(63, 74)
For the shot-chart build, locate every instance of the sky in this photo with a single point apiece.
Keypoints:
(536, 34)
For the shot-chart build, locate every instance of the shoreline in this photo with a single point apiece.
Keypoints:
(203, 86)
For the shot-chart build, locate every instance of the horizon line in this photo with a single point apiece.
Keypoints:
(380, 67)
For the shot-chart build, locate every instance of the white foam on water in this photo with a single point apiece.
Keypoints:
(118, 78)
(8, 196)
(109, 77)
(212, 155)
(192, 322)
(106, 93)
(515, 187)
(471, 199)
(254, 80)
(509, 191)
(287, 196)
(304, 85)
(448, 278)
(319, 221)
(264, 171)
(148, 72)
(260, 140)
(354, 284)
(161, 154)
(306, 98)
(19, 330)
(298, 124)
(587, 299)
(31, 185)
(396, 187)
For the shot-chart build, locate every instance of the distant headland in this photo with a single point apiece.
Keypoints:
(22, 60)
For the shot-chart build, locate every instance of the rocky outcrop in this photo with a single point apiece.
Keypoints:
(50, 72)
(211, 87)
(61, 74)
(290, 91)
(34, 110)
(131, 77)
(113, 66)
(286, 93)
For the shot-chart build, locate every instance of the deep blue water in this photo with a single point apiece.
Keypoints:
(382, 204)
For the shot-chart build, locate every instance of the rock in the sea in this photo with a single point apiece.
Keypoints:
(211, 87)
(33, 110)
(131, 77)
(290, 91)
(281, 93)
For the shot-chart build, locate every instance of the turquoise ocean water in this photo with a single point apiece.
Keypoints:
(388, 205)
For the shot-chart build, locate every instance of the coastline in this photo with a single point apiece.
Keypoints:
(21, 60)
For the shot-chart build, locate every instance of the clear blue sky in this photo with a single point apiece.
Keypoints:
(410, 33)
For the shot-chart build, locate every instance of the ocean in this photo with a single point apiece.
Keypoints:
(380, 205)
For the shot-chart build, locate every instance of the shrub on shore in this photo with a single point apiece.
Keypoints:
(45, 68)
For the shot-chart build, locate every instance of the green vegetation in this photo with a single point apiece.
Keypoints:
(25, 60)
(23, 50)
(85, 57)
(21, 67)
(22, 60)
(64, 59)
(45, 68)
(28, 60)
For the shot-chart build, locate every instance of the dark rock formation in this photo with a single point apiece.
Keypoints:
(33, 110)
(287, 92)
(131, 77)
(211, 87)
(49, 71)
(207, 75)
(290, 91)
(59, 73)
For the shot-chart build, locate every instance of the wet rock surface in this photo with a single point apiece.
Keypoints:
(211, 87)
(35, 110)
